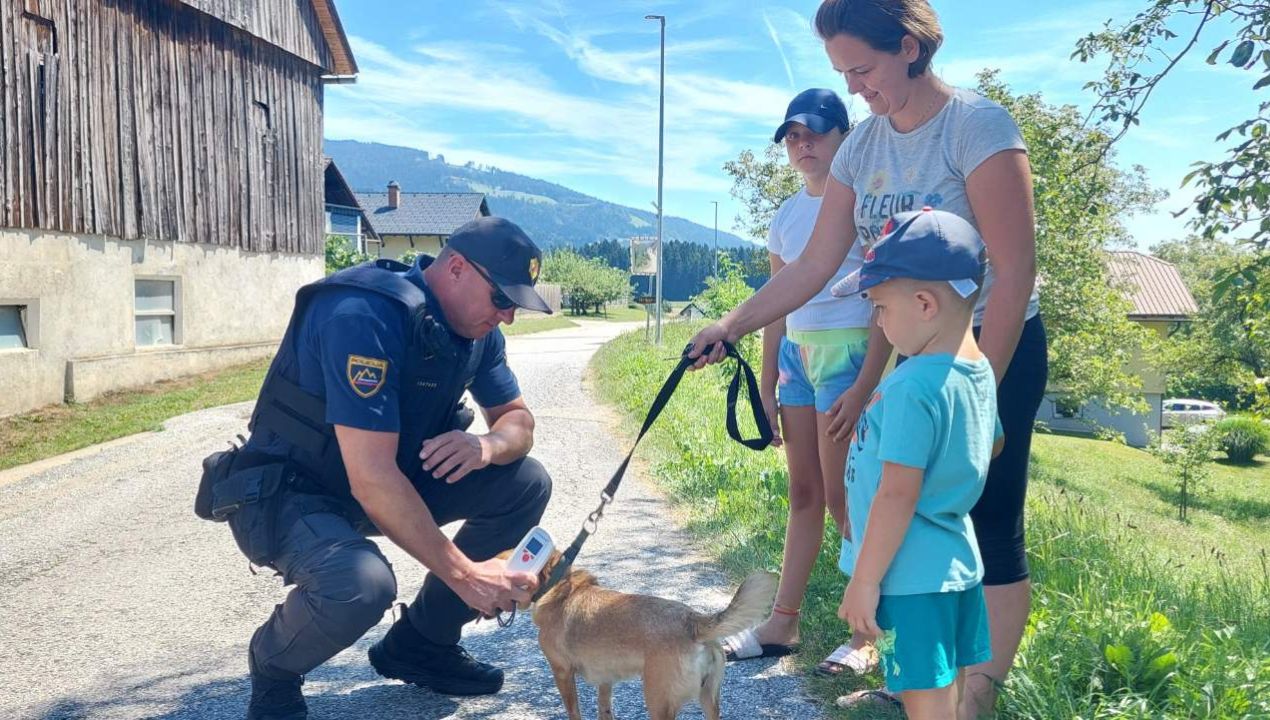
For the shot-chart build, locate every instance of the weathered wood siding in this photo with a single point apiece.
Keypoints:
(149, 119)
(289, 24)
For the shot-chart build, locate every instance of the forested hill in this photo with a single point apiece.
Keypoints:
(553, 215)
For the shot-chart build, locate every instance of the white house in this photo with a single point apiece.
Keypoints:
(1160, 301)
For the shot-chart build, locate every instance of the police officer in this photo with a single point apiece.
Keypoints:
(362, 407)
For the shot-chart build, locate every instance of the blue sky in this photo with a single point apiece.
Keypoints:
(567, 90)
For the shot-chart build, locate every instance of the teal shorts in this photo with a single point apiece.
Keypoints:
(927, 638)
(816, 366)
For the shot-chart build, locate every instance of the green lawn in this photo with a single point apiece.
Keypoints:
(1136, 615)
(1229, 518)
(537, 323)
(62, 428)
(617, 312)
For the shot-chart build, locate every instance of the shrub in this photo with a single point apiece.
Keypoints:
(1242, 437)
(340, 254)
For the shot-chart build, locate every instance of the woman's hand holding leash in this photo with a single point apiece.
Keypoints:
(707, 346)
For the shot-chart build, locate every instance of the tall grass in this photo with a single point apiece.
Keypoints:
(1118, 629)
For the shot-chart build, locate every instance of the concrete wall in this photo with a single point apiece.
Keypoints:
(232, 306)
(1138, 429)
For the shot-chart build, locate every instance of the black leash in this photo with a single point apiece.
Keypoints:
(659, 403)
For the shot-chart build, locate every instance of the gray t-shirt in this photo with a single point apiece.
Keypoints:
(895, 172)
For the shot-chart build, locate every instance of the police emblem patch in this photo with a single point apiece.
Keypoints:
(366, 375)
(533, 270)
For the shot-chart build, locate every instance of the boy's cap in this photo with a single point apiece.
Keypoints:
(923, 245)
(819, 109)
(512, 260)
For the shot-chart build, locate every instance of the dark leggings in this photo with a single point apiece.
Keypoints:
(998, 516)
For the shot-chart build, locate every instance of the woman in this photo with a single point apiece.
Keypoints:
(826, 364)
(928, 144)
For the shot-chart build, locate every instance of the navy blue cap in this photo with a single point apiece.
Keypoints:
(923, 245)
(507, 254)
(819, 109)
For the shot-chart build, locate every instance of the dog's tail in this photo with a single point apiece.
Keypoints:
(749, 606)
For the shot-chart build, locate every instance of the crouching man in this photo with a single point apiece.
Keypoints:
(360, 430)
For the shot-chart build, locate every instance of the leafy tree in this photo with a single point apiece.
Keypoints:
(724, 291)
(685, 265)
(1219, 355)
(587, 284)
(761, 186)
(340, 254)
(1081, 200)
(1232, 193)
(1187, 453)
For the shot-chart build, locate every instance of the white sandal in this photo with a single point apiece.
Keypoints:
(745, 646)
(859, 661)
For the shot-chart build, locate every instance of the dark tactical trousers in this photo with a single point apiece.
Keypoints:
(343, 583)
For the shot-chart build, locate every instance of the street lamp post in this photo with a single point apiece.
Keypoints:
(661, 137)
(716, 237)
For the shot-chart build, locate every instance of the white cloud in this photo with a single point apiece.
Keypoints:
(413, 101)
(776, 40)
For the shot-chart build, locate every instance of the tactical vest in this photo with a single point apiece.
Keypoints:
(436, 370)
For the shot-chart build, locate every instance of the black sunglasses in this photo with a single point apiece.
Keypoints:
(498, 297)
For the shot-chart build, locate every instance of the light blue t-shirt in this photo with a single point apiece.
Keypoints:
(937, 413)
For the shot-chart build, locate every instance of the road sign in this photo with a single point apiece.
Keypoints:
(644, 255)
(645, 299)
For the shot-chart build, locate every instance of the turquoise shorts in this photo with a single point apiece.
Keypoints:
(927, 638)
(816, 366)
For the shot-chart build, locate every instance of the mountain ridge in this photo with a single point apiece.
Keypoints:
(554, 215)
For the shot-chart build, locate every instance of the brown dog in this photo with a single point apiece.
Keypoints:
(607, 636)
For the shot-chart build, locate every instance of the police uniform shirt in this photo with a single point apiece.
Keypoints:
(350, 349)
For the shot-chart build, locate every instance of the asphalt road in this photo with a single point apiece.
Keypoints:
(117, 602)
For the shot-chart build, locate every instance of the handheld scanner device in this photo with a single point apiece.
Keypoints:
(533, 552)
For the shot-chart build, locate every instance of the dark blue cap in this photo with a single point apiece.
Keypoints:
(507, 254)
(819, 109)
(923, 245)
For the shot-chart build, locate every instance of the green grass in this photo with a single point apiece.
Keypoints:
(58, 429)
(1136, 615)
(617, 312)
(529, 325)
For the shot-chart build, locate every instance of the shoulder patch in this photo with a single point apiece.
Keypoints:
(366, 375)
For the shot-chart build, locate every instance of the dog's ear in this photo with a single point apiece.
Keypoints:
(504, 555)
(547, 569)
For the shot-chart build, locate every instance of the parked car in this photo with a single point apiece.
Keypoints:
(1184, 411)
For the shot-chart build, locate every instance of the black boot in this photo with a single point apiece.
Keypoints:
(275, 697)
(403, 654)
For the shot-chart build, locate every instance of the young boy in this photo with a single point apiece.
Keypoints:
(917, 465)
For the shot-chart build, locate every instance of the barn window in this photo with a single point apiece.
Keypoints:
(156, 312)
(13, 333)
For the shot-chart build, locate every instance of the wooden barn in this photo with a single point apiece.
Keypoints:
(161, 185)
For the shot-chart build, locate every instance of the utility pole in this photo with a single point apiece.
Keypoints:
(661, 138)
(716, 237)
